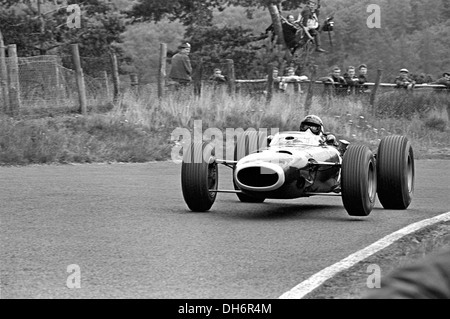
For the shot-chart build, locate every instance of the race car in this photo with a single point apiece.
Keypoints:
(292, 165)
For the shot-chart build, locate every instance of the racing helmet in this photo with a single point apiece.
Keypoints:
(313, 123)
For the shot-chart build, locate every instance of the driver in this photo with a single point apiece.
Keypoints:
(314, 124)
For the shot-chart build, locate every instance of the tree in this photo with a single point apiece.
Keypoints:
(194, 13)
(38, 27)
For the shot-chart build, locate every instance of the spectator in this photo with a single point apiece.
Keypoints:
(218, 77)
(445, 80)
(310, 21)
(428, 278)
(362, 78)
(403, 81)
(291, 78)
(276, 79)
(290, 29)
(181, 71)
(336, 81)
(351, 79)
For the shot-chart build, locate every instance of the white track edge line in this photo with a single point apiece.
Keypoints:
(313, 282)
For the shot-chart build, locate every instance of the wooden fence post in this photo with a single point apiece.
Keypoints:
(373, 94)
(105, 79)
(231, 77)
(198, 75)
(270, 83)
(13, 75)
(162, 70)
(80, 79)
(310, 94)
(3, 79)
(115, 76)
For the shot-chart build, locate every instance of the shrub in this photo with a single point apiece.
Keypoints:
(436, 123)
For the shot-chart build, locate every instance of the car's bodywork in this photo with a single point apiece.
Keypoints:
(295, 164)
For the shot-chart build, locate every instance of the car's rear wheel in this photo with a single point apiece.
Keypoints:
(199, 177)
(396, 172)
(359, 180)
(248, 143)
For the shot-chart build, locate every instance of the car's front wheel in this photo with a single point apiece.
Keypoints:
(199, 177)
(358, 180)
(395, 166)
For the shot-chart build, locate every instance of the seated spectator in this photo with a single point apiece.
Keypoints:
(291, 78)
(290, 29)
(351, 80)
(403, 81)
(445, 80)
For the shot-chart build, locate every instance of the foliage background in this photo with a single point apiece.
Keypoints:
(414, 33)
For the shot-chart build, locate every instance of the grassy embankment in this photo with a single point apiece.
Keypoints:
(138, 129)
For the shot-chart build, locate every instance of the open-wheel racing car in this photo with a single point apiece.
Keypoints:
(292, 165)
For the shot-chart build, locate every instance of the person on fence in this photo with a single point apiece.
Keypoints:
(445, 80)
(291, 77)
(309, 19)
(335, 82)
(403, 81)
(351, 79)
(181, 71)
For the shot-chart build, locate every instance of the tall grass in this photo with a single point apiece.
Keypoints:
(138, 128)
(426, 122)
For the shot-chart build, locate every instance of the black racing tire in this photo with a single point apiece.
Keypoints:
(358, 180)
(396, 172)
(248, 143)
(199, 175)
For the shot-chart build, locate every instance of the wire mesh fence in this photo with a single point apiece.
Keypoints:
(50, 81)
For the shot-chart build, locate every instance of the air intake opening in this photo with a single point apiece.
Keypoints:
(257, 177)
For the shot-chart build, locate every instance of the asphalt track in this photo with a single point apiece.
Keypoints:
(128, 229)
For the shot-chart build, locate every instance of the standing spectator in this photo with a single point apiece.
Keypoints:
(351, 79)
(218, 77)
(403, 81)
(181, 71)
(310, 21)
(336, 81)
(362, 79)
(445, 80)
(276, 79)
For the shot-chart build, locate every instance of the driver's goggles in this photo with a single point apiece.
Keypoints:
(314, 128)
